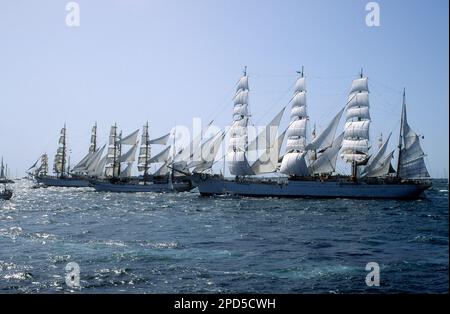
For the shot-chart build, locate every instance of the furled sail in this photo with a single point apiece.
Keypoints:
(412, 163)
(93, 145)
(326, 162)
(294, 162)
(355, 147)
(144, 150)
(237, 147)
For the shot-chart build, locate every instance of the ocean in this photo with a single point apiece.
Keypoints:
(184, 243)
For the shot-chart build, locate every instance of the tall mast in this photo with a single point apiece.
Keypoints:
(95, 137)
(120, 153)
(115, 150)
(147, 145)
(400, 134)
(63, 152)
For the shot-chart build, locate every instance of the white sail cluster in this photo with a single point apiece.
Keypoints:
(294, 161)
(237, 147)
(355, 146)
(60, 156)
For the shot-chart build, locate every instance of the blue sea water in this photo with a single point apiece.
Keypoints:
(181, 243)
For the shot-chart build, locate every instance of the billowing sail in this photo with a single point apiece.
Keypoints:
(112, 163)
(294, 162)
(326, 137)
(355, 147)
(93, 145)
(92, 165)
(126, 173)
(144, 150)
(208, 152)
(326, 162)
(81, 167)
(383, 168)
(99, 169)
(412, 163)
(237, 147)
(376, 161)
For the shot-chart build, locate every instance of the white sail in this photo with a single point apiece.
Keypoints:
(209, 151)
(162, 170)
(160, 140)
(94, 161)
(112, 157)
(326, 137)
(237, 147)
(130, 139)
(99, 169)
(130, 155)
(59, 161)
(383, 167)
(412, 163)
(268, 161)
(161, 157)
(126, 173)
(266, 138)
(294, 162)
(356, 144)
(376, 161)
(93, 145)
(326, 162)
(360, 85)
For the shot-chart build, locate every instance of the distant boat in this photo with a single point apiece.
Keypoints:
(4, 174)
(309, 169)
(62, 177)
(115, 179)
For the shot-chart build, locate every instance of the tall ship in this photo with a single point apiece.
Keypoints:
(4, 173)
(308, 168)
(114, 172)
(61, 167)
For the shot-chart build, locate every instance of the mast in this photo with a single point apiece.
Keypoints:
(115, 150)
(119, 154)
(147, 145)
(94, 137)
(63, 161)
(400, 135)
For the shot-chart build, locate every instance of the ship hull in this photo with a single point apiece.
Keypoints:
(63, 182)
(156, 187)
(311, 188)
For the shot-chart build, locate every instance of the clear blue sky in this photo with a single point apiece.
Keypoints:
(168, 61)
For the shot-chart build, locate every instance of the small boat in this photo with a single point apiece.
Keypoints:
(6, 193)
(4, 174)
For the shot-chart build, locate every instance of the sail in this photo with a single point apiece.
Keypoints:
(190, 153)
(237, 146)
(162, 171)
(326, 162)
(130, 139)
(144, 150)
(161, 140)
(91, 166)
(98, 171)
(326, 137)
(59, 161)
(161, 157)
(93, 145)
(356, 144)
(209, 150)
(81, 166)
(126, 173)
(412, 163)
(268, 161)
(266, 138)
(294, 162)
(112, 163)
(130, 155)
(383, 168)
(376, 161)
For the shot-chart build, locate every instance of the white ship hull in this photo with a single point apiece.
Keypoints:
(338, 188)
(63, 182)
(157, 187)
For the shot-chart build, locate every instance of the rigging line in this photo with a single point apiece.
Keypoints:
(390, 88)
